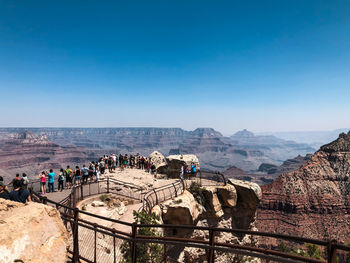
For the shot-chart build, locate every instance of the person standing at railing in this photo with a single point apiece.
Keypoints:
(24, 181)
(193, 169)
(51, 181)
(69, 177)
(42, 177)
(60, 180)
(182, 173)
(85, 174)
(77, 175)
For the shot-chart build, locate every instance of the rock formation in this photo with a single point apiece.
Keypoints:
(231, 206)
(26, 152)
(174, 163)
(313, 201)
(158, 160)
(215, 151)
(31, 232)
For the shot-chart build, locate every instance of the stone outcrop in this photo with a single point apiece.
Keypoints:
(215, 206)
(158, 160)
(26, 152)
(248, 198)
(175, 162)
(31, 232)
(313, 201)
(181, 210)
(215, 151)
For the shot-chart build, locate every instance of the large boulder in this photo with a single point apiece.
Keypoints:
(158, 160)
(183, 210)
(176, 161)
(212, 203)
(227, 195)
(248, 198)
(31, 232)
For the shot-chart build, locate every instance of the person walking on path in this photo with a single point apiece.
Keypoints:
(51, 181)
(60, 180)
(42, 177)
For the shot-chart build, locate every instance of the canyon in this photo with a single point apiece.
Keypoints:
(215, 151)
(314, 200)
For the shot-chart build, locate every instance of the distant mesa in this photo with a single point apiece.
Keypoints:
(243, 134)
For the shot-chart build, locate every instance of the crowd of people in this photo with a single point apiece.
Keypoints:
(19, 191)
(68, 177)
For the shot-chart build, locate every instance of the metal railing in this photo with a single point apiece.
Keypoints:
(161, 194)
(89, 232)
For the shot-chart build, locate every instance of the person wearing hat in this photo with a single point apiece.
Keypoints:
(3, 192)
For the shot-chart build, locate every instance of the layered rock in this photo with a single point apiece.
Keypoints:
(31, 232)
(26, 152)
(313, 201)
(215, 151)
(215, 206)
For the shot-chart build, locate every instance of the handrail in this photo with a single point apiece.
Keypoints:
(210, 245)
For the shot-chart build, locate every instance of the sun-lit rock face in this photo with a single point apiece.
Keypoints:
(31, 232)
(29, 153)
(157, 159)
(313, 201)
(231, 206)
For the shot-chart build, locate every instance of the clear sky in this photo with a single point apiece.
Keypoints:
(261, 65)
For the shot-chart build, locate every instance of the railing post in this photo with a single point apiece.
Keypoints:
(95, 246)
(74, 197)
(331, 252)
(82, 192)
(175, 190)
(108, 184)
(133, 243)
(156, 196)
(76, 237)
(211, 249)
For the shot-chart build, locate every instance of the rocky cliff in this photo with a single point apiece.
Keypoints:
(26, 152)
(313, 201)
(231, 206)
(31, 232)
(215, 151)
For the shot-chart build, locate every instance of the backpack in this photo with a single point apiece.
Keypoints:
(24, 180)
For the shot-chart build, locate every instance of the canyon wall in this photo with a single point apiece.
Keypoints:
(313, 201)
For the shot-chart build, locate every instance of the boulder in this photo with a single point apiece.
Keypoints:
(212, 203)
(176, 161)
(227, 195)
(183, 210)
(249, 193)
(31, 232)
(97, 204)
(158, 160)
(248, 198)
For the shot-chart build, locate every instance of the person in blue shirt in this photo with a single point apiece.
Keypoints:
(193, 169)
(51, 181)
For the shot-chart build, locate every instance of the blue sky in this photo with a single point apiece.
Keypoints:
(260, 65)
